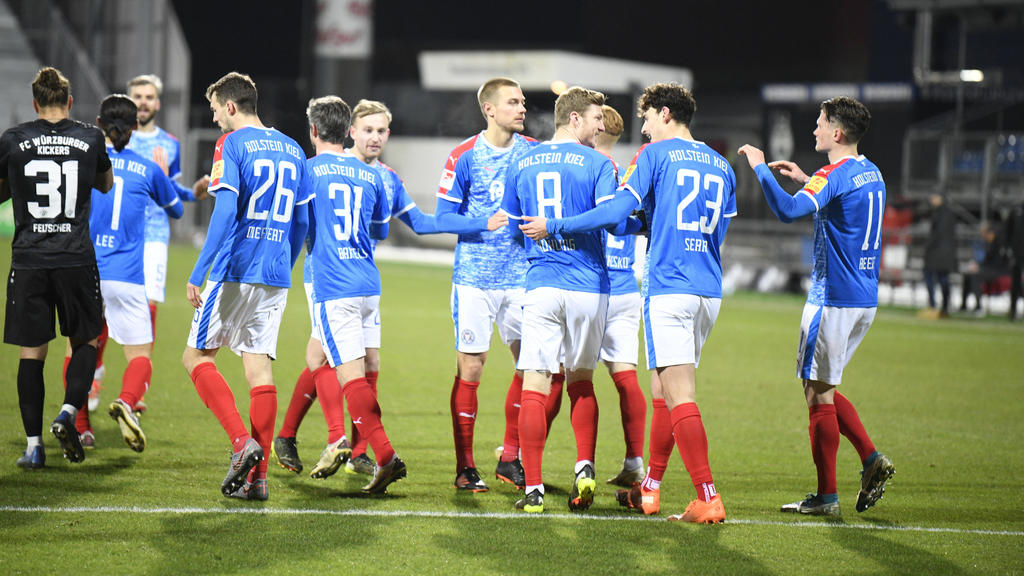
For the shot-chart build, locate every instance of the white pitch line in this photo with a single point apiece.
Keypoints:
(485, 515)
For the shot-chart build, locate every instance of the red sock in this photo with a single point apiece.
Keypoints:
(152, 318)
(661, 440)
(633, 406)
(583, 413)
(262, 417)
(362, 404)
(532, 432)
(302, 398)
(692, 442)
(824, 432)
(82, 420)
(851, 427)
(510, 446)
(463, 404)
(358, 441)
(216, 394)
(135, 382)
(101, 345)
(332, 401)
(553, 403)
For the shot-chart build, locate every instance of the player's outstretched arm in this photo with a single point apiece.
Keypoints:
(786, 208)
(449, 220)
(609, 215)
(791, 170)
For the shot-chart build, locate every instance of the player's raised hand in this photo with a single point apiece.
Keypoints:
(200, 188)
(497, 220)
(160, 157)
(194, 295)
(754, 155)
(536, 227)
(790, 169)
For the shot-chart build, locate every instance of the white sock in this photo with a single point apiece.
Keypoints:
(581, 464)
(70, 410)
(635, 463)
(531, 488)
(34, 441)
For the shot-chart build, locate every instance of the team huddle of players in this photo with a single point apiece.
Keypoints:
(545, 253)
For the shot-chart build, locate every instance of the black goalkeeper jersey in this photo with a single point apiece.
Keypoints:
(51, 169)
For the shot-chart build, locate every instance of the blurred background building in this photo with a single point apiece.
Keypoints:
(944, 80)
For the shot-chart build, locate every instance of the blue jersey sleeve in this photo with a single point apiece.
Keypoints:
(224, 211)
(225, 170)
(381, 215)
(162, 191)
(297, 233)
(786, 208)
(448, 211)
(611, 215)
(405, 209)
(512, 205)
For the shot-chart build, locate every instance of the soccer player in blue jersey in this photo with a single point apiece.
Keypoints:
(688, 195)
(620, 347)
(350, 210)
(369, 132)
(156, 144)
(567, 286)
(116, 224)
(487, 280)
(847, 198)
(256, 233)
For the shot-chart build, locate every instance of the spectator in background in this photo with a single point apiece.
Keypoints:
(939, 254)
(984, 272)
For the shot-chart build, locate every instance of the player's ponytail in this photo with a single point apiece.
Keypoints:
(117, 119)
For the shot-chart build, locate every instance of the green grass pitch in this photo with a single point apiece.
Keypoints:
(944, 399)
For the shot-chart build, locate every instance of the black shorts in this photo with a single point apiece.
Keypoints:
(33, 295)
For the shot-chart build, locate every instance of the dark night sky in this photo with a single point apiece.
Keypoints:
(728, 45)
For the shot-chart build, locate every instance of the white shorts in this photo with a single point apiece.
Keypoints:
(474, 311)
(562, 326)
(676, 326)
(154, 262)
(828, 338)
(243, 317)
(621, 329)
(348, 326)
(311, 308)
(127, 312)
